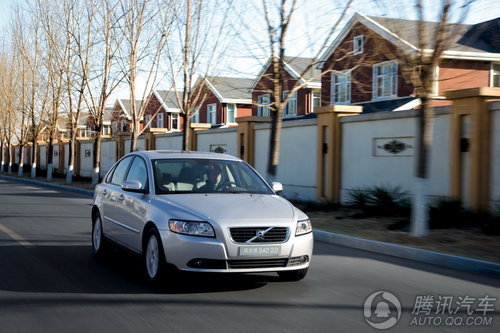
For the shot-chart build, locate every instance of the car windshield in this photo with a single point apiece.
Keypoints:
(206, 176)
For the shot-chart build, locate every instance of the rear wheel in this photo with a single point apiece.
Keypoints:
(99, 243)
(153, 257)
(296, 275)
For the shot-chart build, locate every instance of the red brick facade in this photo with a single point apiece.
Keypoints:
(264, 86)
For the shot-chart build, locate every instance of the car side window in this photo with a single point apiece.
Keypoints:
(138, 172)
(120, 170)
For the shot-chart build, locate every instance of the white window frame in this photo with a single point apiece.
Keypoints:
(176, 117)
(160, 120)
(212, 113)
(290, 109)
(493, 74)
(435, 81)
(195, 118)
(316, 92)
(106, 130)
(234, 113)
(392, 76)
(357, 44)
(114, 127)
(263, 109)
(147, 121)
(123, 125)
(335, 83)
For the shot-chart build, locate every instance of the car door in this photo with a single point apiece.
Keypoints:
(112, 200)
(133, 207)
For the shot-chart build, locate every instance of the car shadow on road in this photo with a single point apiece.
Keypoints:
(321, 248)
(73, 269)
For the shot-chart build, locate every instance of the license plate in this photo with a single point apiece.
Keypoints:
(260, 251)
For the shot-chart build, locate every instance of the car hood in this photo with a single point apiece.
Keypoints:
(233, 207)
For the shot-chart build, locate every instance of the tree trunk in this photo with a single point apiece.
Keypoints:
(21, 161)
(34, 159)
(9, 170)
(2, 163)
(71, 160)
(420, 210)
(50, 159)
(97, 160)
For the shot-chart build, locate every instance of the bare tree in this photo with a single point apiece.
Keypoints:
(148, 24)
(104, 76)
(202, 27)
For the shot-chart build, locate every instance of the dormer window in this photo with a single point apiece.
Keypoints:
(358, 44)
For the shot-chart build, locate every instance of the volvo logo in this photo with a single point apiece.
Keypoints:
(261, 234)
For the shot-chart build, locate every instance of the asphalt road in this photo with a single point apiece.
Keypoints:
(50, 282)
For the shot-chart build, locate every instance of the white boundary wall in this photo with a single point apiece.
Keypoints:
(365, 162)
(108, 155)
(169, 141)
(43, 157)
(218, 139)
(297, 168)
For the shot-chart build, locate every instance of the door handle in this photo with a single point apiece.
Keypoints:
(121, 197)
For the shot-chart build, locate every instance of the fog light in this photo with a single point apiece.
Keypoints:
(304, 259)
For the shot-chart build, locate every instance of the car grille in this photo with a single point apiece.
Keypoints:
(263, 263)
(243, 235)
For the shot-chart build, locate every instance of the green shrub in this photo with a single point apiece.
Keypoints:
(380, 200)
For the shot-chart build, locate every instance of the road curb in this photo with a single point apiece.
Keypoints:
(49, 185)
(406, 252)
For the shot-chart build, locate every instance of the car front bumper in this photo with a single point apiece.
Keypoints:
(201, 254)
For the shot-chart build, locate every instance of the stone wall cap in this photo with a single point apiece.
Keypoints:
(474, 92)
(339, 108)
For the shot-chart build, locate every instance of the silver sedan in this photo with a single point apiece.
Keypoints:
(202, 212)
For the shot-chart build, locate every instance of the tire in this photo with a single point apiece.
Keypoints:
(296, 275)
(153, 257)
(99, 241)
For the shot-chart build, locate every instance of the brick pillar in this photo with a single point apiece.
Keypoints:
(149, 140)
(120, 145)
(328, 173)
(471, 103)
(245, 148)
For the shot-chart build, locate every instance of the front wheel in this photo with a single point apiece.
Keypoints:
(98, 239)
(296, 275)
(153, 257)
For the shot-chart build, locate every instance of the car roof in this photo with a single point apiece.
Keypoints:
(177, 154)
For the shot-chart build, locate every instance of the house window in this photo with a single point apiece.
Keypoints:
(495, 75)
(340, 89)
(196, 116)
(114, 126)
(385, 79)
(263, 102)
(211, 113)
(147, 121)
(123, 126)
(174, 119)
(316, 99)
(291, 107)
(106, 130)
(358, 44)
(159, 120)
(231, 113)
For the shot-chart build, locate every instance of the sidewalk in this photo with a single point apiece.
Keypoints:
(325, 234)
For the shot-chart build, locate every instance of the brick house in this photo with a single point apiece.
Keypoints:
(163, 111)
(121, 116)
(367, 68)
(221, 100)
(86, 124)
(304, 100)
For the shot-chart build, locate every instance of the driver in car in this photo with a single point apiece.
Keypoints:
(214, 177)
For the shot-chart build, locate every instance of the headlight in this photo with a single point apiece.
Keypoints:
(303, 227)
(203, 229)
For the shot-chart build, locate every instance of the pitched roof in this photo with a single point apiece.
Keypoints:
(126, 105)
(168, 99)
(231, 89)
(295, 66)
(473, 42)
(465, 38)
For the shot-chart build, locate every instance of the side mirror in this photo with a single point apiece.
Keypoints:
(133, 186)
(277, 187)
